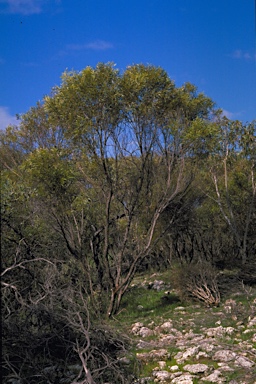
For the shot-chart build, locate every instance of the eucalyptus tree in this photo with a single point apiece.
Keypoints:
(126, 132)
(105, 155)
(227, 152)
(233, 177)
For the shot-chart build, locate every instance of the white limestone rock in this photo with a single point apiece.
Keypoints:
(252, 322)
(136, 327)
(174, 368)
(182, 356)
(139, 330)
(162, 364)
(220, 331)
(224, 355)
(214, 377)
(183, 379)
(161, 376)
(244, 362)
(196, 368)
(201, 354)
(144, 332)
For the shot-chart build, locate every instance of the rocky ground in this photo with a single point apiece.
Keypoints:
(196, 344)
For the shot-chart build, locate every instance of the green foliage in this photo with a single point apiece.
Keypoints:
(112, 173)
(85, 102)
(49, 171)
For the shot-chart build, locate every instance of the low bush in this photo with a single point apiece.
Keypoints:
(197, 281)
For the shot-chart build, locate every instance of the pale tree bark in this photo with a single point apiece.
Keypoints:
(235, 148)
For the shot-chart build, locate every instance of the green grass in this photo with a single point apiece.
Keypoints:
(141, 304)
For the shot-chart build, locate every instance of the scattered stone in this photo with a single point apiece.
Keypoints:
(144, 344)
(248, 331)
(219, 314)
(161, 376)
(183, 379)
(144, 332)
(174, 368)
(224, 355)
(244, 362)
(207, 347)
(168, 325)
(252, 322)
(160, 353)
(191, 335)
(162, 364)
(158, 285)
(139, 330)
(229, 305)
(182, 356)
(166, 339)
(219, 331)
(136, 327)
(201, 354)
(196, 368)
(143, 380)
(214, 377)
(225, 368)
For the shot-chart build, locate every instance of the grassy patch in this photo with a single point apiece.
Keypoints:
(146, 305)
(147, 368)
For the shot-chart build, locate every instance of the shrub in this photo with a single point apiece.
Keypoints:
(197, 281)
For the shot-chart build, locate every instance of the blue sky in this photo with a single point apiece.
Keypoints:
(210, 43)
